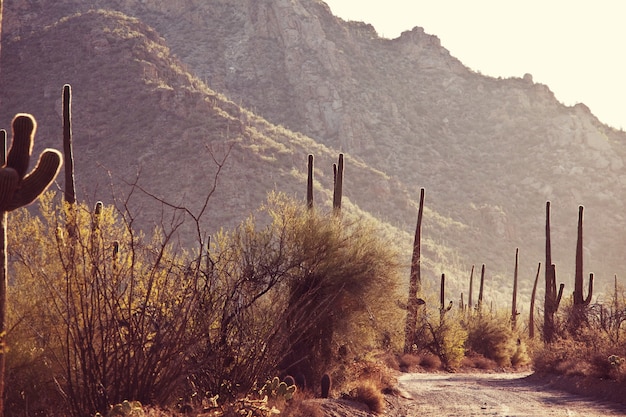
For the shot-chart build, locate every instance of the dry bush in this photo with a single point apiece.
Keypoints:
(430, 362)
(407, 362)
(477, 361)
(302, 406)
(368, 392)
(590, 353)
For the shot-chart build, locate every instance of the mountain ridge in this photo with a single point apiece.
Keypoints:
(489, 152)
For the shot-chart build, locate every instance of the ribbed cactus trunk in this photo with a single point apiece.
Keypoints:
(17, 189)
(415, 282)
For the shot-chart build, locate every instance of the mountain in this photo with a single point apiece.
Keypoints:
(158, 84)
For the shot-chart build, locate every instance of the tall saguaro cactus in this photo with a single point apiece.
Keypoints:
(18, 189)
(338, 185)
(70, 193)
(514, 312)
(415, 281)
(553, 298)
(580, 302)
(309, 184)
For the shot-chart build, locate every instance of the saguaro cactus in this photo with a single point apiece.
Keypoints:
(514, 312)
(443, 309)
(481, 290)
(338, 185)
(531, 316)
(415, 281)
(580, 302)
(17, 189)
(553, 298)
(309, 184)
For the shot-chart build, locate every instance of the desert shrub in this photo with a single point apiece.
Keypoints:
(115, 315)
(492, 337)
(444, 338)
(477, 361)
(590, 353)
(112, 313)
(367, 392)
(430, 362)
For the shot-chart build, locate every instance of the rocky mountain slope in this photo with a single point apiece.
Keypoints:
(157, 82)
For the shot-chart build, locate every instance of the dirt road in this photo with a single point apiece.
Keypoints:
(512, 395)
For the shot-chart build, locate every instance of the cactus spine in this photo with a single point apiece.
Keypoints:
(415, 283)
(17, 189)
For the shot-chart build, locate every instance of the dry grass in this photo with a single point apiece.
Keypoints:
(368, 393)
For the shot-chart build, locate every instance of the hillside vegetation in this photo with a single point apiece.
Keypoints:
(200, 272)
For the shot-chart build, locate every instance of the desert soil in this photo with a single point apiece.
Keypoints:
(496, 394)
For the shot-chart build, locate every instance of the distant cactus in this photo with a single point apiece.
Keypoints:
(579, 314)
(415, 282)
(309, 184)
(553, 298)
(579, 300)
(18, 189)
(531, 316)
(325, 383)
(338, 185)
(514, 312)
(70, 193)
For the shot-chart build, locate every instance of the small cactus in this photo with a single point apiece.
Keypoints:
(326, 383)
(277, 389)
(126, 409)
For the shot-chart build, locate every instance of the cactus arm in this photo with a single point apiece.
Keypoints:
(558, 297)
(24, 127)
(37, 181)
(8, 184)
(590, 293)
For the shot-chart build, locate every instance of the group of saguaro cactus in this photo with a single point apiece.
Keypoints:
(337, 184)
(18, 189)
(553, 297)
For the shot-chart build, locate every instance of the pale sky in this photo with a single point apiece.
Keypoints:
(576, 47)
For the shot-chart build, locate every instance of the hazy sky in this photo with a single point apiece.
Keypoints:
(576, 47)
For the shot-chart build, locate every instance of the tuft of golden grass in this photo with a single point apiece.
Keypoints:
(368, 393)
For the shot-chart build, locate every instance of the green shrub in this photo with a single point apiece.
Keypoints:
(492, 337)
